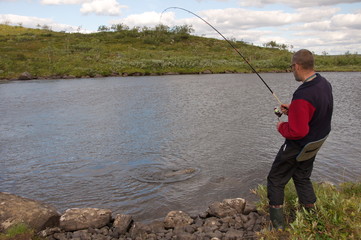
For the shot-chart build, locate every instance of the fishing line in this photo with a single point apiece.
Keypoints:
(230, 43)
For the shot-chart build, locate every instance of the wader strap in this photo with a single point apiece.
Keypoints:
(310, 150)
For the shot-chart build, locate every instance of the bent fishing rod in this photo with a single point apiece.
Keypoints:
(230, 43)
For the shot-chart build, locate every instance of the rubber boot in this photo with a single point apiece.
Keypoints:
(277, 218)
(310, 208)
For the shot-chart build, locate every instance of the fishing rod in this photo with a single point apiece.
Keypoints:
(230, 43)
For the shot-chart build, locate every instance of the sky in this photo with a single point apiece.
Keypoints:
(322, 26)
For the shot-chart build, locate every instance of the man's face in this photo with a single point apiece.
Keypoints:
(294, 68)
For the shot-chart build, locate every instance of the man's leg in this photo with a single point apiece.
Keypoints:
(303, 184)
(281, 172)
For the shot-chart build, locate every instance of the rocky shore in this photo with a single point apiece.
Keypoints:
(230, 219)
(28, 76)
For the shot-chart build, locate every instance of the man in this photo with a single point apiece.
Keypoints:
(309, 123)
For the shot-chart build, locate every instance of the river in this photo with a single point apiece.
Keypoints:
(127, 143)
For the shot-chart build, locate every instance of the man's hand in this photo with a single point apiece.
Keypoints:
(284, 108)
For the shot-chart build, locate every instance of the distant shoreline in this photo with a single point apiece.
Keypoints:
(29, 77)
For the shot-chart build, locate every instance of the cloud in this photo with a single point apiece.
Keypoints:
(99, 7)
(102, 7)
(35, 22)
(347, 21)
(295, 4)
(313, 28)
(63, 2)
(148, 19)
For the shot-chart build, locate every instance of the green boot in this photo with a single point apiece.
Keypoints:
(277, 218)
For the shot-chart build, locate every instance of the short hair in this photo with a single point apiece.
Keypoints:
(304, 58)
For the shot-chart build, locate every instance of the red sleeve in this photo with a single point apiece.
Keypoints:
(300, 114)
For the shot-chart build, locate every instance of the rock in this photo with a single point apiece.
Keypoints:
(212, 223)
(122, 223)
(157, 227)
(139, 231)
(185, 236)
(60, 236)
(82, 218)
(25, 76)
(234, 234)
(35, 214)
(249, 208)
(49, 231)
(227, 207)
(82, 234)
(177, 218)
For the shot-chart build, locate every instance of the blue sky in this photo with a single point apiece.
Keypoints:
(324, 26)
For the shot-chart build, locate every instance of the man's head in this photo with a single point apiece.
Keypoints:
(302, 64)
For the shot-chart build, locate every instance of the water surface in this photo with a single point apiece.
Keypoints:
(90, 142)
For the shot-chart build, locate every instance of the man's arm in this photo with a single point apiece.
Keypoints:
(300, 113)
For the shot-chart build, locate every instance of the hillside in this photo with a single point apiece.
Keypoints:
(45, 54)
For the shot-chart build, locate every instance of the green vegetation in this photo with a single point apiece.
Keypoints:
(19, 232)
(119, 50)
(337, 214)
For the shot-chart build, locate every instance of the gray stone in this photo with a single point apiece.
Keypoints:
(25, 76)
(122, 223)
(15, 209)
(227, 207)
(177, 218)
(139, 230)
(249, 208)
(212, 223)
(234, 234)
(49, 231)
(157, 227)
(60, 236)
(185, 236)
(84, 218)
(82, 234)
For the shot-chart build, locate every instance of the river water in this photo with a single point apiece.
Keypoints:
(127, 143)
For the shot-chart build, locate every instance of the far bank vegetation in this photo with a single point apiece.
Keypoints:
(119, 50)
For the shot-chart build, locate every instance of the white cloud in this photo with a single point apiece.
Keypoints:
(146, 19)
(35, 22)
(102, 7)
(99, 7)
(314, 28)
(347, 21)
(238, 18)
(296, 3)
(62, 2)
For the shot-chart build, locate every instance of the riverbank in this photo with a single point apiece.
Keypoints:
(230, 219)
(337, 216)
(27, 76)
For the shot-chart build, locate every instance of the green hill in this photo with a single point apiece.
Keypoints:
(123, 51)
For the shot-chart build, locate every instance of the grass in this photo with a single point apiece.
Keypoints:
(45, 53)
(19, 232)
(337, 214)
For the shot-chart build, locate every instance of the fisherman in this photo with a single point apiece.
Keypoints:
(309, 123)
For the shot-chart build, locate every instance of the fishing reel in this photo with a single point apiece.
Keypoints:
(278, 112)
